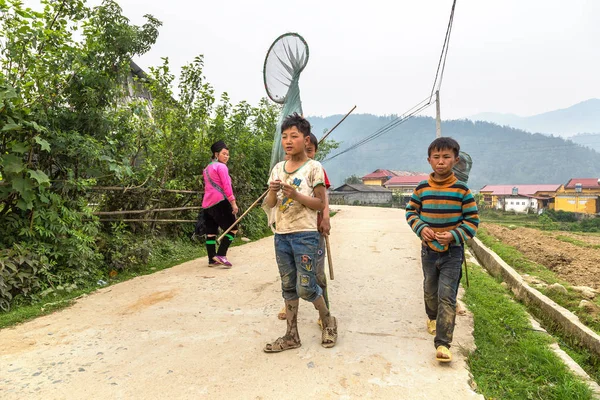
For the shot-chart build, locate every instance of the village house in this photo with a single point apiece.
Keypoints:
(377, 177)
(519, 198)
(360, 194)
(402, 187)
(579, 195)
(381, 176)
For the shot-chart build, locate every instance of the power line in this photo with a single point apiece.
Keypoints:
(386, 128)
(419, 106)
(444, 54)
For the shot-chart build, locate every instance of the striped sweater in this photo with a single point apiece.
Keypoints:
(443, 205)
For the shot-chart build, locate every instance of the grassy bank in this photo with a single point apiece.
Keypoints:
(513, 361)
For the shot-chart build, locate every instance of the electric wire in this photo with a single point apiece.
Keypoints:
(383, 130)
(411, 112)
(444, 53)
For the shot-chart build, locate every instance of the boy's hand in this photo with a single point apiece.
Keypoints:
(289, 191)
(325, 226)
(427, 234)
(275, 186)
(444, 238)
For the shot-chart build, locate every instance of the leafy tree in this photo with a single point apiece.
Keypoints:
(353, 179)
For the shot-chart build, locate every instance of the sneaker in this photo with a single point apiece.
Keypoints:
(431, 326)
(223, 261)
(212, 264)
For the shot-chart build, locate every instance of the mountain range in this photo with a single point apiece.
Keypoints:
(579, 118)
(501, 154)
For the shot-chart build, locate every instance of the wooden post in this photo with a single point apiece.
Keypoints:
(329, 257)
(438, 118)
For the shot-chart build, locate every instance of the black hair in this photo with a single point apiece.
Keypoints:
(216, 147)
(315, 141)
(444, 143)
(298, 121)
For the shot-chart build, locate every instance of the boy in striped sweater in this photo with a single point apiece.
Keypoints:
(443, 213)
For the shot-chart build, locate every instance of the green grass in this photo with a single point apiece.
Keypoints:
(177, 252)
(513, 361)
(510, 218)
(577, 242)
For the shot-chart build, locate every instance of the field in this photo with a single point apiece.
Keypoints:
(573, 257)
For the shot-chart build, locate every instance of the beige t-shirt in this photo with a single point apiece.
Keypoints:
(291, 216)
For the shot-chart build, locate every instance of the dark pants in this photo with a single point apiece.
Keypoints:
(442, 272)
(219, 215)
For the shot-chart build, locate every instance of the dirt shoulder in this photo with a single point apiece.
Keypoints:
(573, 263)
(198, 332)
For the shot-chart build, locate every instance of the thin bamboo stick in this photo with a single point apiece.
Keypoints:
(145, 211)
(148, 220)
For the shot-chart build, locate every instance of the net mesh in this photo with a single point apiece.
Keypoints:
(285, 60)
(463, 167)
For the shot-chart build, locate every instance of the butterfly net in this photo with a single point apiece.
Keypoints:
(463, 167)
(285, 60)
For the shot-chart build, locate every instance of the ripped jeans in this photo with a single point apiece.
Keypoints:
(441, 277)
(296, 255)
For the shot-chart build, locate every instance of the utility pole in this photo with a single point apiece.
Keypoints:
(438, 118)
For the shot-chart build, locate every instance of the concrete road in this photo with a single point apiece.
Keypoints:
(195, 332)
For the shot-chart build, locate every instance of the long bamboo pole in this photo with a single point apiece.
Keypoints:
(336, 125)
(329, 258)
(267, 191)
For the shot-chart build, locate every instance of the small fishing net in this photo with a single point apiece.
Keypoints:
(463, 167)
(285, 60)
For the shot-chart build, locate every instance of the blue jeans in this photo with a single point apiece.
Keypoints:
(296, 255)
(442, 273)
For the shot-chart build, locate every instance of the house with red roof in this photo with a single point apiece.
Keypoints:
(403, 186)
(579, 195)
(380, 176)
(519, 198)
(377, 177)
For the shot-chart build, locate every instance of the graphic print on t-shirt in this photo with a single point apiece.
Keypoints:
(286, 202)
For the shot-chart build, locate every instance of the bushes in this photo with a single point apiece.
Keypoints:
(561, 216)
(20, 272)
(68, 123)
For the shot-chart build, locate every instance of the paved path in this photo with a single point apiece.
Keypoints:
(196, 332)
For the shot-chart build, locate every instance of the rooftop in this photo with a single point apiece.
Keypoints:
(586, 183)
(526, 190)
(378, 174)
(387, 173)
(409, 180)
(359, 187)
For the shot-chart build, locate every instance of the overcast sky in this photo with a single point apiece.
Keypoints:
(511, 56)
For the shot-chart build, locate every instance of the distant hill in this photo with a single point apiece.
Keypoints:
(579, 118)
(501, 155)
(591, 140)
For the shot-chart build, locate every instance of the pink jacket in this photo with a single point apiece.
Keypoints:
(219, 174)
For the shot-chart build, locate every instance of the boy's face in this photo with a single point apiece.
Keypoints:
(310, 151)
(293, 141)
(442, 161)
